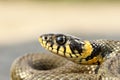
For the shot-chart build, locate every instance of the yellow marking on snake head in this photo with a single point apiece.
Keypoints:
(87, 49)
(48, 44)
(54, 50)
(76, 51)
(44, 42)
(61, 53)
(61, 49)
(67, 55)
(47, 47)
(77, 54)
(68, 50)
(50, 48)
(40, 40)
(73, 56)
(55, 46)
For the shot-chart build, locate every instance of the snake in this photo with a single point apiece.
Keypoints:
(71, 58)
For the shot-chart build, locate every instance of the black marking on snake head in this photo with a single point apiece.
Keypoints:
(70, 55)
(51, 45)
(58, 48)
(76, 46)
(64, 49)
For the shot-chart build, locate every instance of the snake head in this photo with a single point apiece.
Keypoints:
(67, 46)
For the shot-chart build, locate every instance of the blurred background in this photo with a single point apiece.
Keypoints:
(23, 21)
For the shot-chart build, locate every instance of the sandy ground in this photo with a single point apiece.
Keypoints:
(22, 23)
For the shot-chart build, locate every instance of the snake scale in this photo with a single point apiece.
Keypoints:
(73, 59)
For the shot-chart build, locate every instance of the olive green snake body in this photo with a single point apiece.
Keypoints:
(76, 59)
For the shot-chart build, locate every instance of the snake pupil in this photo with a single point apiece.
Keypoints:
(61, 39)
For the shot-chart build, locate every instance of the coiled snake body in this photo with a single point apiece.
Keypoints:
(81, 60)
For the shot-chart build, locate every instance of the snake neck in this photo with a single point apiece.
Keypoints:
(93, 52)
(100, 49)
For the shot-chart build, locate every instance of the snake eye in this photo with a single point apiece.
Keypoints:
(44, 37)
(61, 39)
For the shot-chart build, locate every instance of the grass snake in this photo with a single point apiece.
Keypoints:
(73, 59)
